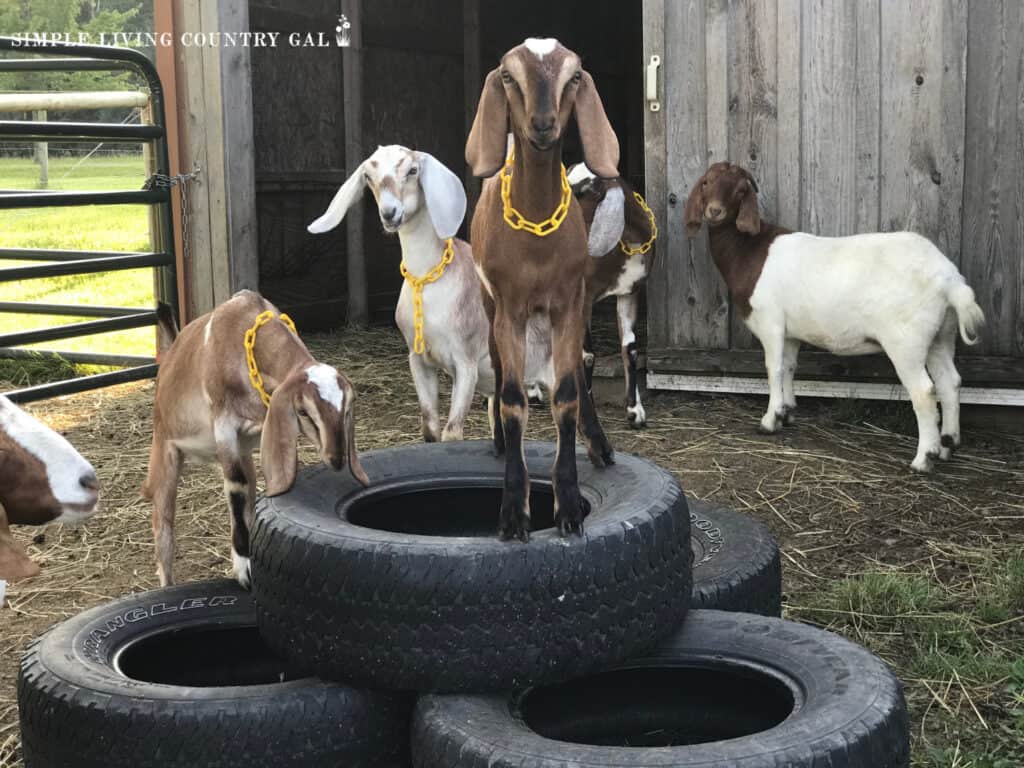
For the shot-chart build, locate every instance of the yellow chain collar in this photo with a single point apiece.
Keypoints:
(417, 284)
(250, 356)
(654, 231)
(515, 219)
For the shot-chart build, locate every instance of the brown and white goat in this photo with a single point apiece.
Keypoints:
(891, 292)
(619, 271)
(43, 479)
(530, 279)
(207, 409)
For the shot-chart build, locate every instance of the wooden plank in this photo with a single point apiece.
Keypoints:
(850, 390)
(215, 179)
(813, 363)
(717, 80)
(753, 123)
(992, 236)
(952, 128)
(922, 121)
(789, 140)
(659, 290)
(472, 83)
(239, 164)
(352, 71)
(828, 117)
(697, 305)
(867, 136)
(192, 125)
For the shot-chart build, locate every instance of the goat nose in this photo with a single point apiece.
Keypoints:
(388, 213)
(89, 481)
(714, 211)
(542, 123)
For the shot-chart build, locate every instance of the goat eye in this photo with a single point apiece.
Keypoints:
(413, 171)
(577, 77)
(506, 78)
(303, 414)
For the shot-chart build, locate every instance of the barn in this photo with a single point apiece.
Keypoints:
(854, 117)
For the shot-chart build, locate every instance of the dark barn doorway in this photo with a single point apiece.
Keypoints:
(422, 66)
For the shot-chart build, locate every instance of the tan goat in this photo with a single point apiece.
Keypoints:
(208, 408)
(530, 250)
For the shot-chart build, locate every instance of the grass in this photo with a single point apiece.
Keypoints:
(107, 228)
(954, 632)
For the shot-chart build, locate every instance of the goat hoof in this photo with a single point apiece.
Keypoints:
(570, 516)
(923, 464)
(637, 416)
(242, 568)
(762, 429)
(788, 418)
(945, 454)
(515, 524)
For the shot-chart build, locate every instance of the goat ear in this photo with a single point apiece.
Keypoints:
(485, 147)
(609, 221)
(748, 220)
(694, 213)
(14, 563)
(446, 199)
(278, 452)
(350, 192)
(352, 456)
(600, 145)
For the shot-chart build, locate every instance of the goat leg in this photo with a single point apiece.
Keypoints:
(510, 339)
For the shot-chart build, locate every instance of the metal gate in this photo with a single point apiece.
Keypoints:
(157, 192)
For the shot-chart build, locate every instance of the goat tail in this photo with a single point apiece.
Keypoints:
(166, 326)
(968, 313)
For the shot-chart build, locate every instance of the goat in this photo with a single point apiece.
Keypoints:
(444, 326)
(891, 292)
(619, 270)
(43, 479)
(215, 401)
(530, 250)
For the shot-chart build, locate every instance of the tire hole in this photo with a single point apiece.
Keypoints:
(660, 706)
(445, 510)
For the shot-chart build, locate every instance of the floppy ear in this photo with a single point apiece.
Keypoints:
(485, 147)
(609, 221)
(14, 563)
(350, 192)
(354, 465)
(600, 145)
(748, 220)
(694, 214)
(278, 452)
(446, 199)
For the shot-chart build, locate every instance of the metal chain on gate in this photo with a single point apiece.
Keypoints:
(162, 180)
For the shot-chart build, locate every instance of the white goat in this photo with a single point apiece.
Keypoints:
(406, 185)
(207, 407)
(893, 292)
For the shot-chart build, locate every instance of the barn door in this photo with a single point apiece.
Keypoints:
(687, 304)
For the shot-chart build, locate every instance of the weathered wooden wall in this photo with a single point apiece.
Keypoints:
(854, 116)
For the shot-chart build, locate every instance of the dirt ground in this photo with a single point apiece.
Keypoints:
(835, 489)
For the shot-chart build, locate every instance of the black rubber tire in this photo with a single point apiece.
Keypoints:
(736, 564)
(79, 711)
(838, 705)
(398, 610)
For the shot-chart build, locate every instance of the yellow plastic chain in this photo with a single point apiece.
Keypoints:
(654, 231)
(417, 284)
(516, 220)
(250, 356)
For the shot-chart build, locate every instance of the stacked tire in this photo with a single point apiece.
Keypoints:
(578, 651)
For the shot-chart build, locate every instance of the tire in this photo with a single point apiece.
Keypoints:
(460, 609)
(197, 695)
(730, 690)
(736, 565)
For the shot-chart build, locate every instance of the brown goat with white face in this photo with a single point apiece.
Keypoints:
(42, 480)
(206, 408)
(536, 279)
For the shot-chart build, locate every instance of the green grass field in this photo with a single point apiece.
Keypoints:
(111, 228)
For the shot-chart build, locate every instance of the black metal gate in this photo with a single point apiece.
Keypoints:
(64, 262)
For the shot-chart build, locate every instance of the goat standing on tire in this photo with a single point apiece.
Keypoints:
(530, 249)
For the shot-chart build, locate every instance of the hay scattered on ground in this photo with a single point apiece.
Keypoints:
(835, 489)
